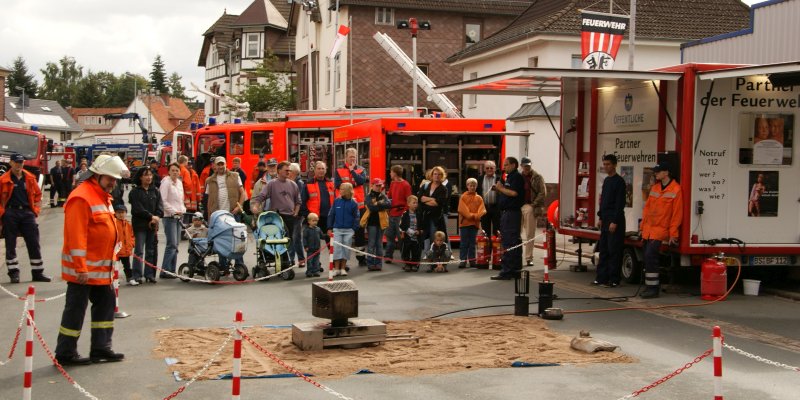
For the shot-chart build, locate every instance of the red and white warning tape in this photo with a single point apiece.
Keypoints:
(16, 335)
(23, 298)
(669, 376)
(203, 370)
(292, 369)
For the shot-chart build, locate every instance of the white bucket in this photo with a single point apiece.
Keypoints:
(751, 287)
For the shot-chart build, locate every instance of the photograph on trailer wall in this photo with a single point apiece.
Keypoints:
(648, 180)
(762, 200)
(626, 173)
(766, 139)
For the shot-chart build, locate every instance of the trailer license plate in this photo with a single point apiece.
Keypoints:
(770, 260)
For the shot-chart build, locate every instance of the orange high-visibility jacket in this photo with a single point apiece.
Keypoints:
(663, 212)
(358, 190)
(189, 199)
(126, 238)
(88, 213)
(31, 186)
(314, 201)
(195, 187)
(203, 177)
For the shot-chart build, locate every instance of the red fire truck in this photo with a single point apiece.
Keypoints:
(303, 137)
(16, 138)
(460, 145)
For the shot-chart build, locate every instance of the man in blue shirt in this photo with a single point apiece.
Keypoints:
(510, 200)
(612, 224)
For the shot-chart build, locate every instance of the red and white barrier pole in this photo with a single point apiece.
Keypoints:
(237, 357)
(330, 254)
(546, 277)
(28, 376)
(117, 312)
(717, 363)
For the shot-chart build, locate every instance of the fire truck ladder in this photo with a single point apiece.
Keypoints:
(424, 82)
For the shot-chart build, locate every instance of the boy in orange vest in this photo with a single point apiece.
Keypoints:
(127, 241)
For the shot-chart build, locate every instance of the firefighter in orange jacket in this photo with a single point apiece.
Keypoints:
(88, 269)
(20, 202)
(356, 175)
(195, 184)
(189, 198)
(661, 220)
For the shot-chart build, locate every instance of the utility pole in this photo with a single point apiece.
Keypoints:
(333, 61)
(632, 36)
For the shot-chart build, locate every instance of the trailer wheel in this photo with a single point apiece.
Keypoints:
(631, 267)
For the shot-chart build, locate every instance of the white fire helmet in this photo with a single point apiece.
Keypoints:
(112, 166)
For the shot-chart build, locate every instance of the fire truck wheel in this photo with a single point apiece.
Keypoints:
(631, 267)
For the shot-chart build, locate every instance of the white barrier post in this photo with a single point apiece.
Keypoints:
(28, 376)
(717, 346)
(117, 312)
(237, 357)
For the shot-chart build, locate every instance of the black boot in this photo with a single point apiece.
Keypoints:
(105, 355)
(39, 276)
(13, 275)
(651, 292)
(362, 261)
(73, 360)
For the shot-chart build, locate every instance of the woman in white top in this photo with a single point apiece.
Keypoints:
(172, 198)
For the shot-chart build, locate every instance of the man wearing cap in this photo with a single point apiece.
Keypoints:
(510, 200)
(612, 224)
(88, 269)
(661, 220)
(224, 191)
(535, 193)
(261, 169)
(272, 169)
(20, 203)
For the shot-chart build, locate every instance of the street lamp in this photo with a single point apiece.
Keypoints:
(414, 26)
(23, 101)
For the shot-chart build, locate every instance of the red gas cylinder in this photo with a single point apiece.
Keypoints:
(497, 251)
(713, 279)
(482, 250)
(550, 260)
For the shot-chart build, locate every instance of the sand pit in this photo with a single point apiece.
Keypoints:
(447, 345)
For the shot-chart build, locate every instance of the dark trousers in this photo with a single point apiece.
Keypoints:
(490, 222)
(360, 239)
(469, 236)
(652, 249)
(392, 236)
(610, 247)
(145, 247)
(312, 263)
(411, 252)
(126, 267)
(55, 192)
(510, 230)
(22, 223)
(78, 297)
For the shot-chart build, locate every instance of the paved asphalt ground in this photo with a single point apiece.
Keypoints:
(661, 341)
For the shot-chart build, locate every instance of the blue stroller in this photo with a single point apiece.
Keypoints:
(272, 253)
(226, 238)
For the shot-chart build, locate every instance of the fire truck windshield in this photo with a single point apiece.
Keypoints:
(13, 142)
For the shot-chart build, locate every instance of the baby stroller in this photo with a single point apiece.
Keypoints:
(226, 238)
(272, 253)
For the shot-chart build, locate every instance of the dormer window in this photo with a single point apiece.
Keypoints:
(253, 45)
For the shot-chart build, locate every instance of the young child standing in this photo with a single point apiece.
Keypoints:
(312, 241)
(343, 222)
(410, 235)
(125, 232)
(439, 253)
(376, 220)
(470, 211)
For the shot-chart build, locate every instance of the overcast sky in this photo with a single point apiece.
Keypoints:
(113, 35)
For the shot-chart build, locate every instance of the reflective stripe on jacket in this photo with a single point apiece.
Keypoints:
(358, 190)
(88, 213)
(189, 199)
(663, 212)
(312, 188)
(31, 186)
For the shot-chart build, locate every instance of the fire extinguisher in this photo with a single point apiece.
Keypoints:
(713, 278)
(482, 250)
(497, 251)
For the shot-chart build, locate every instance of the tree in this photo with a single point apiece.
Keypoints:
(61, 81)
(20, 77)
(274, 91)
(176, 88)
(158, 76)
(123, 91)
(91, 91)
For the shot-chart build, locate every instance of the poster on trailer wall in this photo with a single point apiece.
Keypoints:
(762, 196)
(601, 35)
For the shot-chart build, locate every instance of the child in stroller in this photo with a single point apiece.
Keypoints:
(272, 253)
(224, 237)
